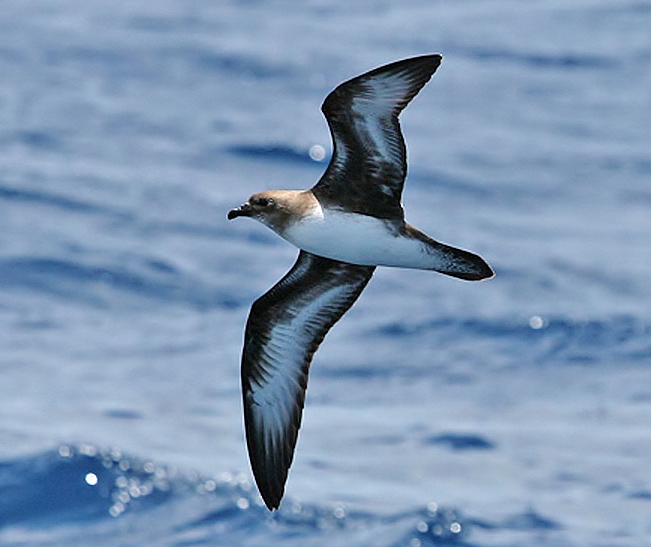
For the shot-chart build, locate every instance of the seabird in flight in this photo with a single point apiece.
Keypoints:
(351, 221)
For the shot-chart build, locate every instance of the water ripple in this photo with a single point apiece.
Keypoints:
(77, 280)
(546, 339)
(103, 487)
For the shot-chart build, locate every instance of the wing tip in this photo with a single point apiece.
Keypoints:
(270, 461)
(271, 491)
(420, 68)
(414, 71)
(272, 502)
(434, 58)
(425, 64)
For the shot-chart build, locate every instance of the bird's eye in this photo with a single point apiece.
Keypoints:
(263, 202)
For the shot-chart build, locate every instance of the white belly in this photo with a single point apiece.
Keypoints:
(357, 239)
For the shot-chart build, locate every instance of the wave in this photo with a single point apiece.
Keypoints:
(56, 201)
(523, 342)
(76, 280)
(561, 61)
(78, 492)
(81, 494)
(278, 152)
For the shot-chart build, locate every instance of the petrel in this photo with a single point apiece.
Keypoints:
(351, 221)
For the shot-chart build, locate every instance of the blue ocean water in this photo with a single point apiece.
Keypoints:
(510, 412)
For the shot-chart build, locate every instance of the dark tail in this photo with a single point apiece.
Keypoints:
(464, 264)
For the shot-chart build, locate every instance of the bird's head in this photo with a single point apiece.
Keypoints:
(274, 208)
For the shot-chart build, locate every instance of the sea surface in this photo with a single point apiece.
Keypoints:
(512, 412)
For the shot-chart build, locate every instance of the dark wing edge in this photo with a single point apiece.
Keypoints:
(284, 329)
(369, 163)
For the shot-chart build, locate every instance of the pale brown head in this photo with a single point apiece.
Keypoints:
(275, 208)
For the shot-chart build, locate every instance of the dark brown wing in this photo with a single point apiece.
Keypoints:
(369, 164)
(284, 329)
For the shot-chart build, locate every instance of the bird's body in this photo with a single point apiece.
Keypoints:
(350, 222)
(360, 239)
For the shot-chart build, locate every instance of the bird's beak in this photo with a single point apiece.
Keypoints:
(243, 210)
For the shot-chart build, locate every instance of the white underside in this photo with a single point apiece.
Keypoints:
(358, 239)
